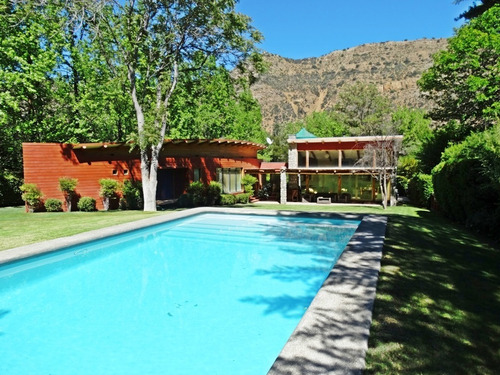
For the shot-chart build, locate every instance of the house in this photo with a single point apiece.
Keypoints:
(334, 169)
(180, 163)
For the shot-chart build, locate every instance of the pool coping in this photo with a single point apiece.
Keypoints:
(332, 336)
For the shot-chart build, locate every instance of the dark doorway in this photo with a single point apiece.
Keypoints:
(171, 183)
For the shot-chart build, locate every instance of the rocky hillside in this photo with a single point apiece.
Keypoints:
(291, 89)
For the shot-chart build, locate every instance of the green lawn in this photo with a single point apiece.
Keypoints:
(437, 309)
(19, 228)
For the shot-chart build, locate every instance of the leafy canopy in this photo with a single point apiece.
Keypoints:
(464, 81)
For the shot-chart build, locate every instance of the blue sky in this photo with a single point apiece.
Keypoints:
(312, 28)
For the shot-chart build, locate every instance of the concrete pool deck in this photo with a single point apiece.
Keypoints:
(332, 336)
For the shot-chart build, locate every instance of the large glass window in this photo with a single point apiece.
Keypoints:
(230, 178)
(358, 187)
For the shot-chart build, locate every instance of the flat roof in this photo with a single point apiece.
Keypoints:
(369, 138)
(234, 142)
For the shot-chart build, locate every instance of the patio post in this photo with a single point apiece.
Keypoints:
(283, 192)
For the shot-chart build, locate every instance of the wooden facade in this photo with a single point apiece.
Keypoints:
(179, 162)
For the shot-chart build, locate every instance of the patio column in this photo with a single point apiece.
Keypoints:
(283, 185)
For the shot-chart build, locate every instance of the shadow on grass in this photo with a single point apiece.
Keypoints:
(437, 309)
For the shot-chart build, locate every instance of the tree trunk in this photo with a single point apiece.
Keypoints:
(105, 203)
(383, 189)
(149, 167)
(68, 202)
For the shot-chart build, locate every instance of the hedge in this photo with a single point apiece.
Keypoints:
(467, 181)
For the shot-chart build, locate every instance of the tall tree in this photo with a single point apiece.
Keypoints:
(475, 10)
(210, 103)
(363, 109)
(464, 81)
(152, 38)
(415, 126)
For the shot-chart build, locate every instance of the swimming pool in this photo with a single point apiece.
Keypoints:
(214, 293)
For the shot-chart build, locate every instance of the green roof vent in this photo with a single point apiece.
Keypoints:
(303, 133)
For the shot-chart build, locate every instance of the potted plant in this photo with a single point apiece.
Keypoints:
(68, 185)
(32, 195)
(109, 188)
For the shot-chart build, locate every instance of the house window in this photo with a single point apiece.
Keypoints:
(196, 174)
(125, 172)
(115, 172)
(230, 178)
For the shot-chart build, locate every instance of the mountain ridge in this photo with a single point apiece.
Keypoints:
(293, 88)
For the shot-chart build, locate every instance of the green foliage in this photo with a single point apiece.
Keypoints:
(325, 124)
(408, 167)
(196, 193)
(208, 104)
(132, 194)
(228, 200)
(464, 80)
(248, 181)
(109, 187)
(420, 190)
(213, 191)
(199, 194)
(32, 195)
(53, 205)
(10, 194)
(87, 204)
(363, 109)
(467, 181)
(68, 185)
(477, 9)
(54, 87)
(242, 198)
(415, 127)
(431, 149)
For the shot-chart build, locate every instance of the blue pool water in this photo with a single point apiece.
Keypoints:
(210, 294)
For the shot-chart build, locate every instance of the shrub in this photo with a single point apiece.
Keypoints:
(32, 195)
(87, 204)
(420, 190)
(228, 199)
(467, 181)
(53, 205)
(213, 192)
(10, 194)
(68, 185)
(196, 192)
(184, 201)
(132, 195)
(248, 181)
(109, 189)
(243, 198)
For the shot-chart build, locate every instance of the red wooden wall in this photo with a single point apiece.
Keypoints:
(45, 163)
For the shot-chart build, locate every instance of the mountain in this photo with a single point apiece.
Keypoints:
(292, 89)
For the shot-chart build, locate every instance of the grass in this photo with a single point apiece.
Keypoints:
(437, 309)
(20, 228)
